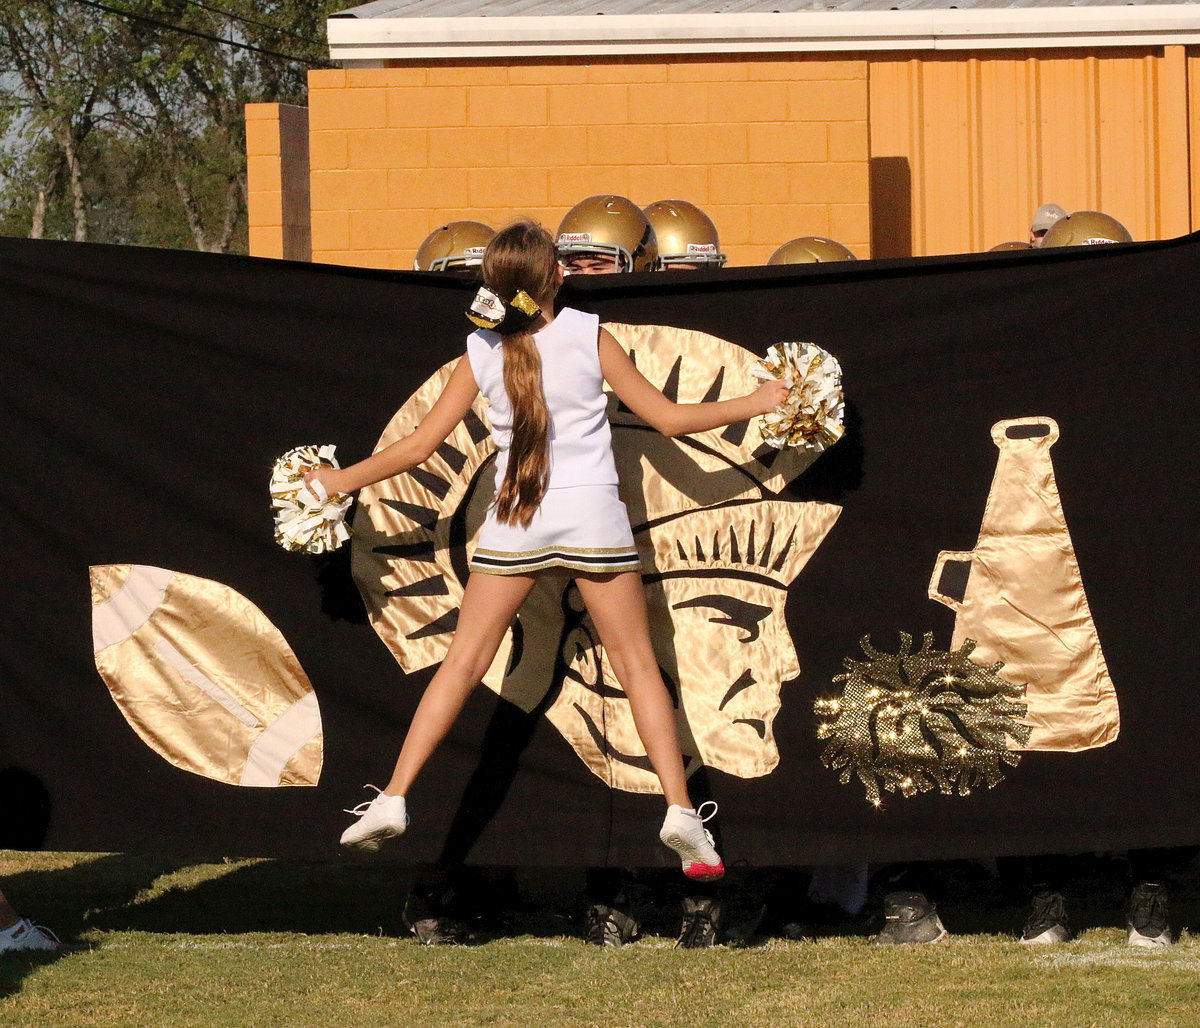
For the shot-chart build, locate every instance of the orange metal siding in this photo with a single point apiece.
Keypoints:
(990, 137)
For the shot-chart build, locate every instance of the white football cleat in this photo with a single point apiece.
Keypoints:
(25, 935)
(684, 832)
(380, 819)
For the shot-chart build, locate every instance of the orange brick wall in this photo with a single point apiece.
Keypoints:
(770, 148)
(277, 165)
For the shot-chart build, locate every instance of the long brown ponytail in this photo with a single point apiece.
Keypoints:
(522, 256)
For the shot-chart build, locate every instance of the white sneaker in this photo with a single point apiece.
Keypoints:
(684, 832)
(382, 818)
(25, 935)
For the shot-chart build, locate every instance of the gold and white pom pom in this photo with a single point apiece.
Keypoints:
(812, 417)
(307, 518)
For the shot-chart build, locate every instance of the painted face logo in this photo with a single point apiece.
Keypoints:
(716, 578)
(716, 584)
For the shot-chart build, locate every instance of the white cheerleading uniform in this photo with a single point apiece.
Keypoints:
(581, 523)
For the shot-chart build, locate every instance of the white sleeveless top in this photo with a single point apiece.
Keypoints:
(580, 439)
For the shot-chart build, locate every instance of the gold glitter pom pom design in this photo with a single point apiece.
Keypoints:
(910, 722)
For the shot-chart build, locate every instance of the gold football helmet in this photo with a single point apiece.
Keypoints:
(811, 250)
(1085, 227)
(610, 225)
(1012, 244)
(686, 235)
(457, 245)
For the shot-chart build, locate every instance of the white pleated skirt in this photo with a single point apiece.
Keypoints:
(580, 528)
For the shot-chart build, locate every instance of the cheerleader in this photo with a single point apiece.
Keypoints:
(556, 506)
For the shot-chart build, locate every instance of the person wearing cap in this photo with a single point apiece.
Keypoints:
(1043, 220)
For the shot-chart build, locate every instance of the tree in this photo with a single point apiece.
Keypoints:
(101, 88)
(54, 63)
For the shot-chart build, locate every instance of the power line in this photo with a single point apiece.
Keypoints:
(132, 16)
(252, 21)
(194, 32)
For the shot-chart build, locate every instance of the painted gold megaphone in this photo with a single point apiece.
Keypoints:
(1020, 596)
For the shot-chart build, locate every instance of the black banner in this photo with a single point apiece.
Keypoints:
(146, 393)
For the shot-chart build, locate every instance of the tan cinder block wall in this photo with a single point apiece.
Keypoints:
(277, 165)
(988, 137)
(770, 148)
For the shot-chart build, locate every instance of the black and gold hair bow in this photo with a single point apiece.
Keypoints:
(489, 311)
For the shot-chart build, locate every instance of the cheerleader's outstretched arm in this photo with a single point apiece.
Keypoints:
(451, 407)
(670, 418)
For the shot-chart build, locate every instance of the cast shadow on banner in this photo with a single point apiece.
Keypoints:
(510, 728)
(701, 507)
(25, 809)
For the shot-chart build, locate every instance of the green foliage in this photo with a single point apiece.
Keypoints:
(128, 128)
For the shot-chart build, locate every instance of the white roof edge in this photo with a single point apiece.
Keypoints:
(374, 39)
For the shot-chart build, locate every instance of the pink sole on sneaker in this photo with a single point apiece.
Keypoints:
(704, 872)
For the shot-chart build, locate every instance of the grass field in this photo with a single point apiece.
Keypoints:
(279, 943)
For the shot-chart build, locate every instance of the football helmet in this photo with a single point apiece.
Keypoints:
(685, 234)
(811, 250)
(1085, 227)
(454, 246)
(1045, 216)
(611, 225)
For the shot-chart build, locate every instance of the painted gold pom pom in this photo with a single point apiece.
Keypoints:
(910, 722)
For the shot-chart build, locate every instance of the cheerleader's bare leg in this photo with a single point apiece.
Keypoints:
(617, 605)
(490, 602)
(618, 608)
